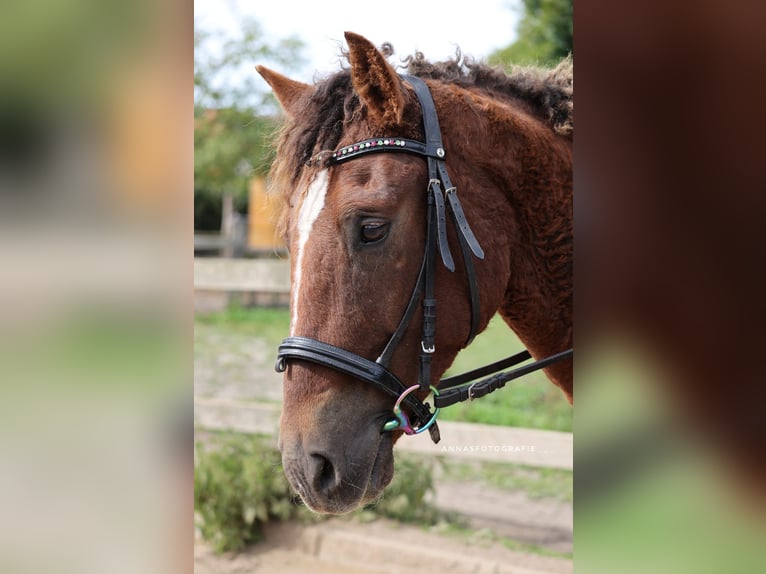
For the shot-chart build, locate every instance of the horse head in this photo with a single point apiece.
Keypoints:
(356, 232)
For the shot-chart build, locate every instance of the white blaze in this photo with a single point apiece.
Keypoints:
(313, 202)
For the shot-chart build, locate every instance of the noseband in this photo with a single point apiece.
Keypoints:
(377, 372)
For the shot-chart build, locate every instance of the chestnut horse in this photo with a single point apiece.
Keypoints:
(356, 236)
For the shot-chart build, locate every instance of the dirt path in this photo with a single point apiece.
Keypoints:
(341, 547)
(541, 522)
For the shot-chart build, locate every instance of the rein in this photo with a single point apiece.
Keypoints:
(442, 199)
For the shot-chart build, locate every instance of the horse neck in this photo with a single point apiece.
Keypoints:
(534, 180)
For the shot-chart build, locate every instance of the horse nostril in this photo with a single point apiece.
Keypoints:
(322, 473)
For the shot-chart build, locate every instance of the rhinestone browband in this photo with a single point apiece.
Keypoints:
(379, 144)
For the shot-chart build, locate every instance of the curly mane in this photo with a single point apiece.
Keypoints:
(548, 92)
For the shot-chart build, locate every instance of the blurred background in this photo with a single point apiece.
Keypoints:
(103, 202)
(96, 173)
(669, 310)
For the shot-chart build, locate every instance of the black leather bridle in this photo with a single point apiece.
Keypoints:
(453, 389)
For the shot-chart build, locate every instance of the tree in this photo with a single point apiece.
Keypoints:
(544, 34)
(233, 110)
(224, 75)
(230, 146)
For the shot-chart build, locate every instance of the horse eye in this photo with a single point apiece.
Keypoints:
(374, 232)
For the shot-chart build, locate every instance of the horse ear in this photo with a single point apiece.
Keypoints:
(288, 92)
(375, 80)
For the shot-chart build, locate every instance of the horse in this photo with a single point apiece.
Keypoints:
(356, 234)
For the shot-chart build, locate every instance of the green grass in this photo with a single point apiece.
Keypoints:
(271, 325)
(534, 482)
(486, 537)
(530, 402)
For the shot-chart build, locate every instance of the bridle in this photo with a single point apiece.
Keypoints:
(442, 200)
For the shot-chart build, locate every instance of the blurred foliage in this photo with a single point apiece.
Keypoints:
(230, 146)
(233, 108)
(239, 485)
(48, 56)
(407, 498)
(544, 34)
(224, 66)
(208, 211)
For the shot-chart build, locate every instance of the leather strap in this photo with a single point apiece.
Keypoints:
(460, 221)
(428, 338)
(440, 182)
(385, 357)
(434, 187)
(477, 389)
(434, 145)
(383, 144)
(473, 289)
(468, 376)
(307, 349)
